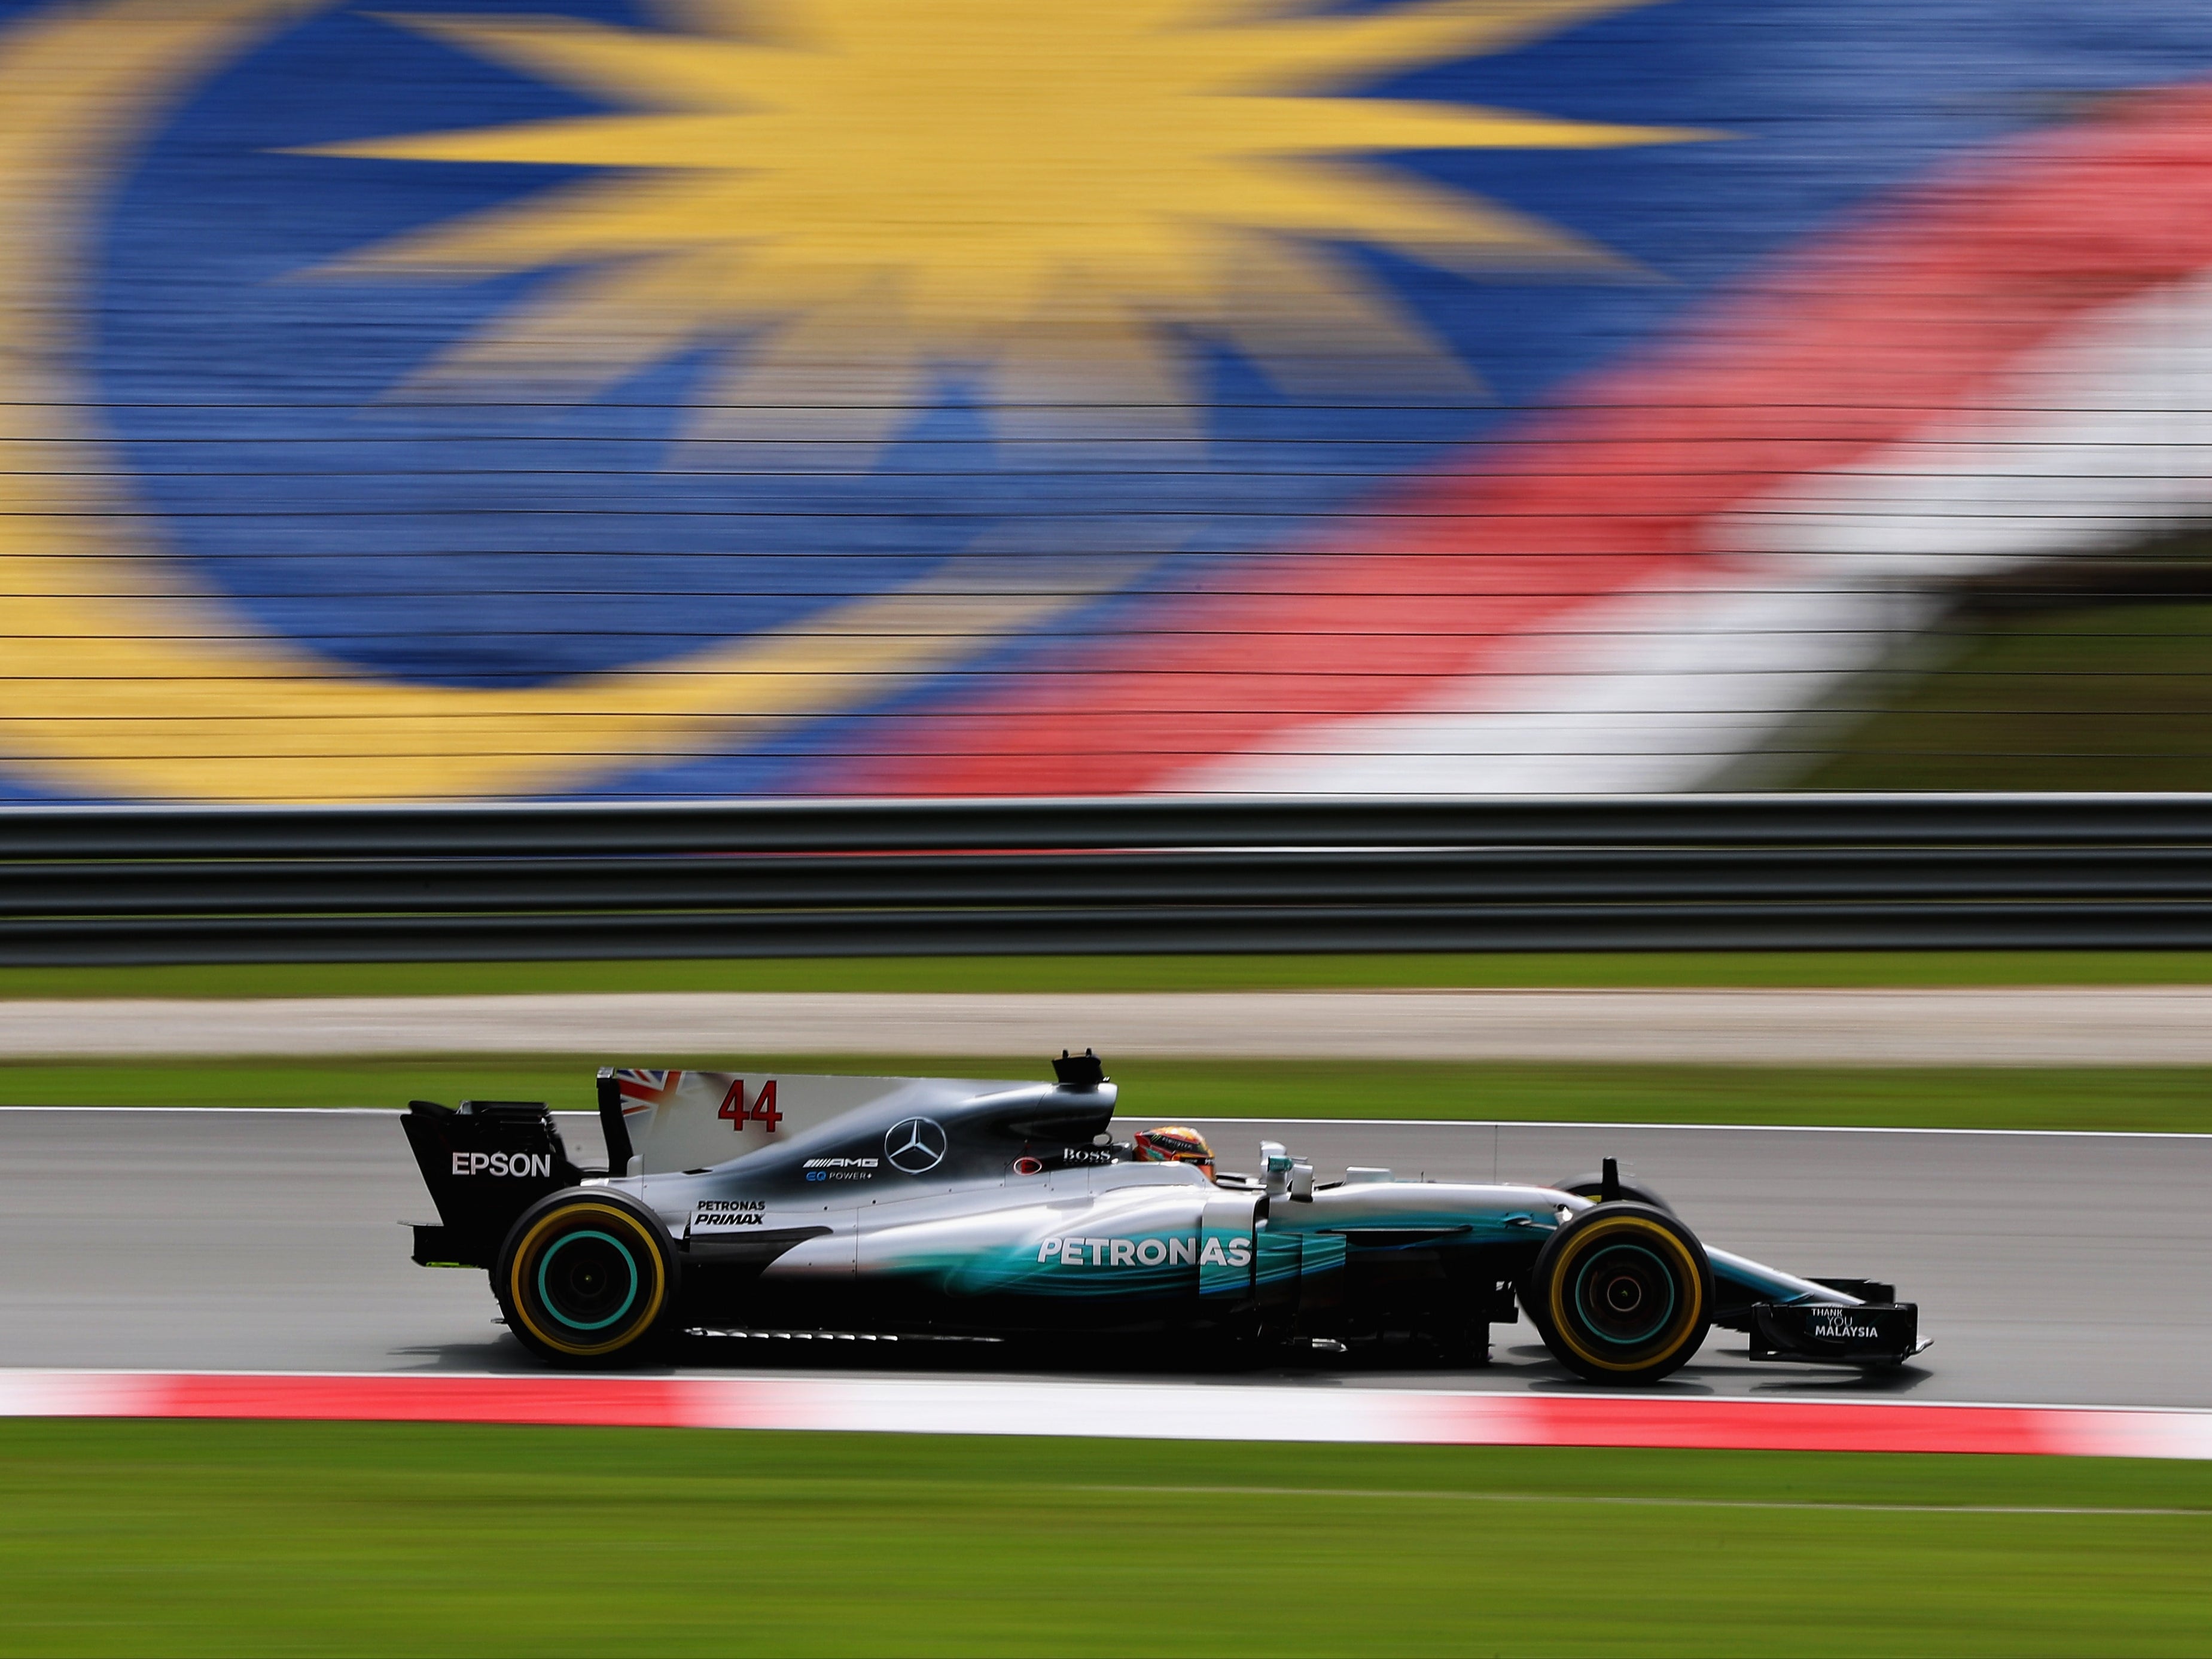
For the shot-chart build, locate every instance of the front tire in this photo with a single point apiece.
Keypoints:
(587, 1278)
(1622, 1293)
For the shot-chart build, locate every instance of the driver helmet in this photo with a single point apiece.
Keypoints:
(1173, 1143)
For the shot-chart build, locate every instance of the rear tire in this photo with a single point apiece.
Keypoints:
(1622, 1294)
(587, 1278)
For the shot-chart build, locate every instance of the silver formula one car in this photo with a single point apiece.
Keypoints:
(941, 1206)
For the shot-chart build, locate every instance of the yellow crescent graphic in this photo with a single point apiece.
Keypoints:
(115, 680)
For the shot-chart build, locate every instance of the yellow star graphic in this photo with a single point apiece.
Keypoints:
(849, 198)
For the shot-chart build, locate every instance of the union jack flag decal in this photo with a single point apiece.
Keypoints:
(645, 1088)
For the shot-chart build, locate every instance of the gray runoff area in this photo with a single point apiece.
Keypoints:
(2048, 1268)
(1921, 1025)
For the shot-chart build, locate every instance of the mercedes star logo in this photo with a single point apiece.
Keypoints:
(915, 1146)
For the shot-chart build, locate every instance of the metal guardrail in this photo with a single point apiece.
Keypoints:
(837, 877)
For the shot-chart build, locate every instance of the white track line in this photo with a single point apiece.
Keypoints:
(1729, 1129)
(1327, 1123)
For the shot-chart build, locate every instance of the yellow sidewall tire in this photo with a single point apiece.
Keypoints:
(620, 1236)
(1652, 1234)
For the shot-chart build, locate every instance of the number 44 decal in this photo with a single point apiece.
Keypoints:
(762, 1111)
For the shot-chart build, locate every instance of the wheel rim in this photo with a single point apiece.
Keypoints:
(573, 1284)
(1624, 1294)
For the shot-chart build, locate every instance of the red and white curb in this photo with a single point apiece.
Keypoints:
(1119, 1410)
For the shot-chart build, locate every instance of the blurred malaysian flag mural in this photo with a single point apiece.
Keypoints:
(749, 397)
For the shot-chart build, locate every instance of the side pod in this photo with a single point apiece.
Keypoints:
(484, 1165)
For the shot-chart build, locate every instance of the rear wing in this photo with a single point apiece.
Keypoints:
(484, 1165)
(660, 1122)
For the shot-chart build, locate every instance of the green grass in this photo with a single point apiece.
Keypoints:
(1133, 973)
(2090, 697)
(158, 1538)
(2174, 1099)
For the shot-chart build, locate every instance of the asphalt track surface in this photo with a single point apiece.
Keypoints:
(2007, 1026)
(2054, 1268)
